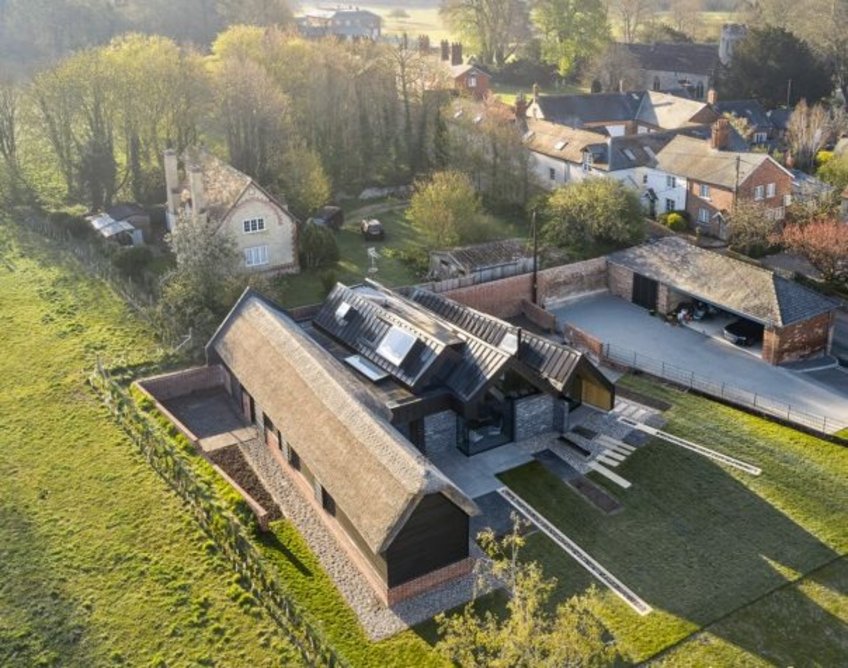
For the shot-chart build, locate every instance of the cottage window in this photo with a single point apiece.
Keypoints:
(703, 215)
(669, 205)
(644, 179)
(771, 190)
(671, 181)
(472, 81)
(787, 199)
(552, 174)
(328, 503)
(759, 192)
(699, 90)
(255, 256)
(254, 225)
(760, 137)
(704, 191)
(656, 83)
(294, 459)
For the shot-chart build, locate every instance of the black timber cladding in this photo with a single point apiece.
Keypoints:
(434, 536)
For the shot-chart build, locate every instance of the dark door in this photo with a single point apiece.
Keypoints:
(645, 292)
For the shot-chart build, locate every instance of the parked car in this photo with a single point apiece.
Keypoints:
(372, 229)
(743, 332)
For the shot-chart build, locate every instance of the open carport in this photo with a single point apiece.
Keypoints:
(797, 322)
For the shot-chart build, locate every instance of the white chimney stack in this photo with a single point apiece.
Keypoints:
(172, 184)
(195, 186)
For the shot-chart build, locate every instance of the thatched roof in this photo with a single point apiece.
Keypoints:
(375, 476)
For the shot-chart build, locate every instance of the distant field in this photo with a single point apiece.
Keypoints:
(422, 20)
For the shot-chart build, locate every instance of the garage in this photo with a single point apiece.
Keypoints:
(772, 316)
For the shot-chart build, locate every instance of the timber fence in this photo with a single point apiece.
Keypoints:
(752, 401)
(229, 533)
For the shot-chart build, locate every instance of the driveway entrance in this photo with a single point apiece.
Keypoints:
(615, 321)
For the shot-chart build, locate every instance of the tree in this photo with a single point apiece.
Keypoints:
(528, 635)
(492, 28)
(198, 292)
(303, 181)
(685, 15)
(808, 131)
(593, 210)
(823, 242)
(751, 227)
(771, 64)
(318, 246)
(835, 172)
(446, 210)
(255, 12)
(615, 68)
(632, 14)
(570, 29)
(657, 31)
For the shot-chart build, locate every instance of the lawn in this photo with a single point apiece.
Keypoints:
(100, 564)
(706, 545)
(420, 20)
(308, 286)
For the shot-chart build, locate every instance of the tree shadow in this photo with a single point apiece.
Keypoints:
(41, 625)
(270, 540)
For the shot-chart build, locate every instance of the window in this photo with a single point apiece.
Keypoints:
(472, 81)
(671, 181)
(669, 205)
(644, 179)
(771, 190)
(254, 225)
(560, 145)
(704, 191)
(699, 90)
(552, 174)
(760, 137)
(587, 161)
(255, 256)
(656, 83)
(328, 503)
(703, 215)
(396, 345)
(787, 199)
(759, 192)
(294, 459)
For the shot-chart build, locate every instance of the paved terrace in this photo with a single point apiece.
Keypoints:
(613, 320)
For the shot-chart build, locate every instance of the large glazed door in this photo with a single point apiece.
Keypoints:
(644, 292)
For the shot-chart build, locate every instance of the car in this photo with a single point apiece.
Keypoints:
(372, 229)
(743, 332)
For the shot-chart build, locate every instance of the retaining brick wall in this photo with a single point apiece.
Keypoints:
(538, 316)
(580, 339)
(172, 385)
(571, 280)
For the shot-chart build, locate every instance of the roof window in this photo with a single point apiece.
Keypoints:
(396, 345)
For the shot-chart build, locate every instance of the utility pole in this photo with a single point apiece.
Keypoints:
(736, 183)
(789, 94)
(535, 294)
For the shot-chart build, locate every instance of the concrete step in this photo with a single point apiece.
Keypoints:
(610, 475)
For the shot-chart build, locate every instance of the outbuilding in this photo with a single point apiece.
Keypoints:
(797, 322)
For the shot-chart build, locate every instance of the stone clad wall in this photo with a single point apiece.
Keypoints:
(440, 431)
(620, 281)
(534, 415)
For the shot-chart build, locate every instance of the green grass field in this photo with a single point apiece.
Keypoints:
(100, 564)
(705, 546)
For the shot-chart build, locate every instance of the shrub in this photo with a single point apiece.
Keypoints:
(76, 226)
(675, 222)
(328, 280)
(133, 261)
(318, 246)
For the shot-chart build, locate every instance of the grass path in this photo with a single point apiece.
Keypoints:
(99, 562)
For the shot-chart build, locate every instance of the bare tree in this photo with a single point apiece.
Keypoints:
(808, 131)
(10, 102)
(614, 68)
(685, 15)
(632, 14)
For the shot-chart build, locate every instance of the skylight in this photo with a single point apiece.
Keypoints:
(560, 145)
(650, 152)
(396, 345)
(629, 154)
(341, 313)
(509, 343)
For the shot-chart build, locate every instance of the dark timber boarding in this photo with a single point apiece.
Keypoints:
(435, 535)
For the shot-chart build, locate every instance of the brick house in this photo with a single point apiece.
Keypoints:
(471, 80)
(797, 322)
(230, 202)
(715, 179)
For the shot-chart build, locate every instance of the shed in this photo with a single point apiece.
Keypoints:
(797, 321)
(486, 262)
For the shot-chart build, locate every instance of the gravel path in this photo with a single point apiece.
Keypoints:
(377, 620)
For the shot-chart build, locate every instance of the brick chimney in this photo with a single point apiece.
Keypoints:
(172, 182)
(424, 45)
(720, 134)
(445, 50)
(712, 96)
(456, 53)
(198, 193)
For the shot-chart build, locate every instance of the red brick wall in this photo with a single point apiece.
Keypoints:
(430, 581)
(479, 91)
(720, 199)
(798, 341)
(538, 316)
(580, 339)
(767, 173)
